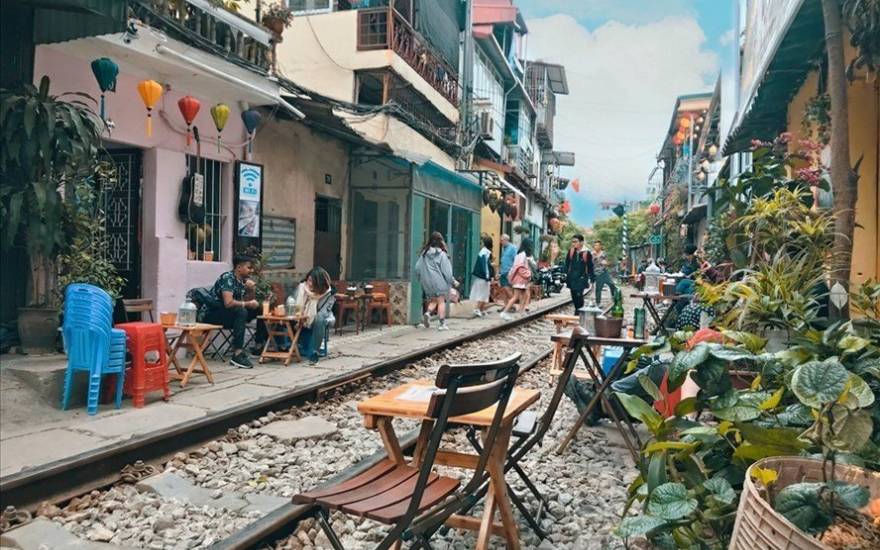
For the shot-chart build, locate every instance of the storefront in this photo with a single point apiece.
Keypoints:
(396, 203)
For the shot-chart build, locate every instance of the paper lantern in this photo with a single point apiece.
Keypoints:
(576, 185)
(105, 71)
(713, 150)
(251, 119)
(684, 122)
(150, 92)
(678, 139)
(220, 114)
(189, 108)
(654, 209)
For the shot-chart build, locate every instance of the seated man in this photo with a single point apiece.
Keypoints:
(231, 310)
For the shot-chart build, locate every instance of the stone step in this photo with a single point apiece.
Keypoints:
(172, 486)
(43, 534)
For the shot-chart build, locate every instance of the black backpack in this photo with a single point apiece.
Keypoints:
(204, 298)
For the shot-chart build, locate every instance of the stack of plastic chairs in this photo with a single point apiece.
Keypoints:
(91, 343)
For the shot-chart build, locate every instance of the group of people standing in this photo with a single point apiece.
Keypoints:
(516, 267)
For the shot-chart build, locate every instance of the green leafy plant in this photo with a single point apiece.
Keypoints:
(866, 299)
(278, 11)
(862, 17)
(263, 290)
(46, 141)
(85, 258)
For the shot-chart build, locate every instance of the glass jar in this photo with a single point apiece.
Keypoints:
(186, 315)
(290, 306)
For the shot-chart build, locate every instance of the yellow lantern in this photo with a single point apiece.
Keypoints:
(713, 150)
(150, 92)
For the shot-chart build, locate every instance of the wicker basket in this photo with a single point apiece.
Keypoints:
(759, 527)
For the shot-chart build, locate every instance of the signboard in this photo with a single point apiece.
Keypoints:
(249, 178)
(655, 239)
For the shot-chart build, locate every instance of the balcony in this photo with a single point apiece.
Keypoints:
(387, 29)
(546, 112)
(522, 160)
(211, 29)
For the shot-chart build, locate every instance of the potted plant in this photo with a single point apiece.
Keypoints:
(47, 141)
(277, 17)
(84, 259)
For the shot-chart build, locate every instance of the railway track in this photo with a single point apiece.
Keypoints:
(88, 478)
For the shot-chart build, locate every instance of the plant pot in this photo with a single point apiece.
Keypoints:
(777, 339)
(608, 327)
(38, 329)
(758, 525)
(274, 25)
(208, 256)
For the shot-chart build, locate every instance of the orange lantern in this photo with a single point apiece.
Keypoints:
(150, 92)
(685, 122)
(576, 185)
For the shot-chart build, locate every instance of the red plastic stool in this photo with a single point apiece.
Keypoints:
(144, 376)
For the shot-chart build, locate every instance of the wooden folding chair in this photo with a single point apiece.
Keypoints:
(529, 430)
(345, 304)
(380, 301)
(414, 500)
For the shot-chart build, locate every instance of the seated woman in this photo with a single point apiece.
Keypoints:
(315, 300)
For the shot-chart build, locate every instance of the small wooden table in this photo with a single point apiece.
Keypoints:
(411, 401)
(281, 325)
(194, 338)
(650, 299)
(602, 383)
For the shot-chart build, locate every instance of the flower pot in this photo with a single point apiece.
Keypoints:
(38, 329)
(777, 339)
(208, 256)
(274, 25)
(758, 525)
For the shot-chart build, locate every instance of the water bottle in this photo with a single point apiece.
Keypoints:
(186, 315)
(290, 306)
(652, 279)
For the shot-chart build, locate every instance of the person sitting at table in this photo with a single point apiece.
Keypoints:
(314, 300)
(232, 311)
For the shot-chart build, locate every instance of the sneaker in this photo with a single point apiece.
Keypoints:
(241, 361)
(426, 320)
(313, 360)
(443, 326)
(506, 316)
(478, 313)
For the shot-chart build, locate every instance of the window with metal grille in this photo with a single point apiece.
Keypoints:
(204, 239)
(301, 7)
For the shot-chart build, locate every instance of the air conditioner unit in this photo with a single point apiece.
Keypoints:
(487, 125)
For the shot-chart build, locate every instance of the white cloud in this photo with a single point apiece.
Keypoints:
(623, 80)
(726, 39)
(626, 11)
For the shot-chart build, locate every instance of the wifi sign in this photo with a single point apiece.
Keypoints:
(250, 181)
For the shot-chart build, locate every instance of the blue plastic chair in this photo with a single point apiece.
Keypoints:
(92, 345)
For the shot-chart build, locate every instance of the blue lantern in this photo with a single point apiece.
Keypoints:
(251, 119)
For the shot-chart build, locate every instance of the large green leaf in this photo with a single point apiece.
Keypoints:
(784, 439)
(720, 490)
(749, 452)
(860, 389)
(851, 495)
(638, 408)
(657, 475)
(800, 504)
(752, 342)
(746, 407)
(671, 501)
(850, 429)
(638, 525)
(819, 382)
(684, 362)
(728, 353)
(796, 415)
(852, 344)
(712, 376)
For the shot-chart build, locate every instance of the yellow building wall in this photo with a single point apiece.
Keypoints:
(490, 224)
(864, 135)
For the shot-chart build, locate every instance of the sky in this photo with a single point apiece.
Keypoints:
(626, 62)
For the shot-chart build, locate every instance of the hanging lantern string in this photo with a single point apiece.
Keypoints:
(175, 127)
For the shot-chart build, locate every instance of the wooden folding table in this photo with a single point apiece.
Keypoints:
(602, 382)
(411, 401)
(281, 325)
(650, 298)
(194, 338)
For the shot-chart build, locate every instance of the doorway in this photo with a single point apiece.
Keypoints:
(328, 235)
(122, 218)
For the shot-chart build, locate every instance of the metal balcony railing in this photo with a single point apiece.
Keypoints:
(386, 29)
(521, 159)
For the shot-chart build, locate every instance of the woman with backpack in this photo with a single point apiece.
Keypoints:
(483, 274)
(520, 277)
(434, 273)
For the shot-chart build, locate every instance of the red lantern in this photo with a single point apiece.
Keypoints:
(565, 207)
(654, 209)
(576, 185)
(189, 108)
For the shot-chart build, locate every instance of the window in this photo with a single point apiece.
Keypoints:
(379, 228)
(279, 242)
(204, 239)
(301, 7)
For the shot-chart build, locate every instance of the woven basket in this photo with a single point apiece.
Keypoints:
(758, 526)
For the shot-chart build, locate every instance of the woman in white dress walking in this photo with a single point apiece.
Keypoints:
(482, 277)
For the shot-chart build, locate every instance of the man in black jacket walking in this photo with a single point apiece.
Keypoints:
(578, 271)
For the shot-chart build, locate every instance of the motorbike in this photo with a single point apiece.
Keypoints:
(551, 279)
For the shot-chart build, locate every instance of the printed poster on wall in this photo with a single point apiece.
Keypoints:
(250, 188)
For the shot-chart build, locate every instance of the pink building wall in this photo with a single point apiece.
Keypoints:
(166, 271)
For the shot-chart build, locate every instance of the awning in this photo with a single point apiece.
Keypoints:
(431, 168)
(512, 188)
(152, 54)
(766, 114)
(251, 29)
